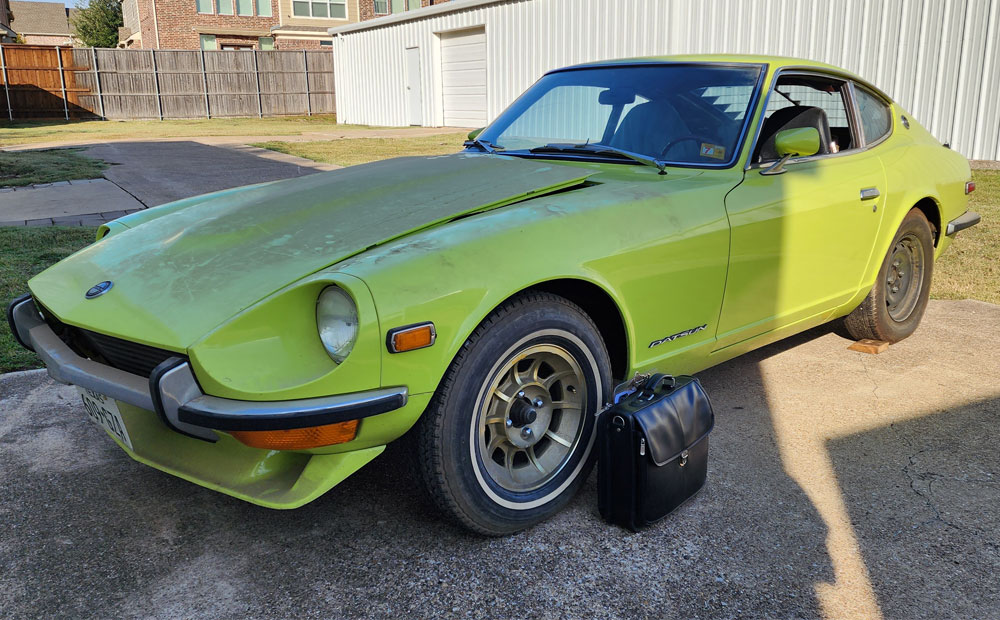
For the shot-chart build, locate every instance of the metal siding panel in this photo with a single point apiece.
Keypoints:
(937, 58)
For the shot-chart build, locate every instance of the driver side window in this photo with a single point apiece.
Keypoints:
(807, 101)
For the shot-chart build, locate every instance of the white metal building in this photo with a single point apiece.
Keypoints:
(461, 63)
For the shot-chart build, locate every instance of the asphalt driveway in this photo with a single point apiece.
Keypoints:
(145, 174)
(840, 485)
(159, 172)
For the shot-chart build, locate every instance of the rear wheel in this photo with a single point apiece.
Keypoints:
(896, 303)
(507, 440)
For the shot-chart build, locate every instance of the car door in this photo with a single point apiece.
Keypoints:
(802, 239)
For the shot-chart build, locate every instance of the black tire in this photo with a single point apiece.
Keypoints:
(451, 434)
(889, 314)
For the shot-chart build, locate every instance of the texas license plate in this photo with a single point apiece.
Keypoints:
(103, 411)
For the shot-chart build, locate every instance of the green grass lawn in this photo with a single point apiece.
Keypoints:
(364, 150)
(970, 269)
(23, 253)
(33, 132)
(19, 169)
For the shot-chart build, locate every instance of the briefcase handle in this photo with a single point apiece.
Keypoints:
(648, 390)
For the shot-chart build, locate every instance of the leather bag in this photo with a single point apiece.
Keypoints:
(653, 450)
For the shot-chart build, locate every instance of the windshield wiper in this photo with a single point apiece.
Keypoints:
(489, 147)
(600, 149)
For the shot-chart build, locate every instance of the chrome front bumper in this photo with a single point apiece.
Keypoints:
(173, 392)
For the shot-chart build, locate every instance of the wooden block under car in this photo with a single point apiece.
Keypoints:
(869, 346)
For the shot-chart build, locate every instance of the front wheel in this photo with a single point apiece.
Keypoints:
(508, 438)
(896, 303)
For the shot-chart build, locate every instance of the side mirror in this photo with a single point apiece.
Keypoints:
(798, 142)
(475, 133)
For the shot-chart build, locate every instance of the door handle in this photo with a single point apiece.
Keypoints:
(870, 193)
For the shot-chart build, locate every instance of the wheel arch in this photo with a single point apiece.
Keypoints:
(602, 308)
(931, 209)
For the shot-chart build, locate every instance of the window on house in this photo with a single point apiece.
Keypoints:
(224, 7)
(266, 43)
(412, 4)
(336, 9)
(398, 6)
(264, 8)
(204, 6)
(208, 42)
(244, 7)
(381, 7)
(326, 43)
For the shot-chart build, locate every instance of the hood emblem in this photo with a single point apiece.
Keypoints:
(99, 289)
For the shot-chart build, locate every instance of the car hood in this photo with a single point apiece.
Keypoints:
(181, 269)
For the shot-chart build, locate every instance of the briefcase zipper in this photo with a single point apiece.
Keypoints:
(642, 446)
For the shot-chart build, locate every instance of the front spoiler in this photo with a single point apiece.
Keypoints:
(173, 392)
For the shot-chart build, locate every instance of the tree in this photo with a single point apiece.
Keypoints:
(96, 25)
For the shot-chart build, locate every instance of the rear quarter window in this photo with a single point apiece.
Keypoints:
(876, 118)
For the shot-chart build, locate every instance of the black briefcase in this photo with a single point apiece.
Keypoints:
(652, 449)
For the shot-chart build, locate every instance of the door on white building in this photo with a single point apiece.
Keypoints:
(463, 77)
(414, 96)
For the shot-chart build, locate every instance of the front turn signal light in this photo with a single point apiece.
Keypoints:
(970, 186)
(300, 438)
(411, 337)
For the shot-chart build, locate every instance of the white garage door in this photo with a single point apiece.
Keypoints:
(463, 78)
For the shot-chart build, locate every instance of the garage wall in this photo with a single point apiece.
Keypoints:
(939, 58)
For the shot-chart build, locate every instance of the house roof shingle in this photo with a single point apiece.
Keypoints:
(39, 17)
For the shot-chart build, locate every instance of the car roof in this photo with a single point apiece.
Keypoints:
(775, 62)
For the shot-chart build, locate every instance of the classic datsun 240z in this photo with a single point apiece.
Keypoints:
(662, 213)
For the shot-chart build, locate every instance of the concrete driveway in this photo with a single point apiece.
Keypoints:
(841, 485)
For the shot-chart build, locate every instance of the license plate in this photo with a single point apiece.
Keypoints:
(103, 411)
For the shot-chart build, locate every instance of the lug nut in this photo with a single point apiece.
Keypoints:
(539, 402)
(509, 423)
(526, 432)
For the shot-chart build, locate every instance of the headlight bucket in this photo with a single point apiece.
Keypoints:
(337, 322)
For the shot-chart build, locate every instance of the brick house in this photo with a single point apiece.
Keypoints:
(41, 23)
(246, 24)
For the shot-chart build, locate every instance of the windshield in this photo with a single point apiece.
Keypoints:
(669, 113)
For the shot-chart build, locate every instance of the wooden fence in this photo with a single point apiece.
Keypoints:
(40, 81)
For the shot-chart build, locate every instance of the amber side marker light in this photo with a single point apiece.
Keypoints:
(300, 438)
(970, 187)
(410, 337)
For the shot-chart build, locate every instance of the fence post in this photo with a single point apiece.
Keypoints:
(305, 70)
(256, 72)
(97, 81)
(204, 79)
(156, 82)
(62, 82)
(6, 84)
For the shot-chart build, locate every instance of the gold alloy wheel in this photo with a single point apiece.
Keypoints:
(532, 420)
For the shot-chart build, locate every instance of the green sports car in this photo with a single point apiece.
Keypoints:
(657, 213)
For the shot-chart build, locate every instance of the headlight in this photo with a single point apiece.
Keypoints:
(337, 321)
